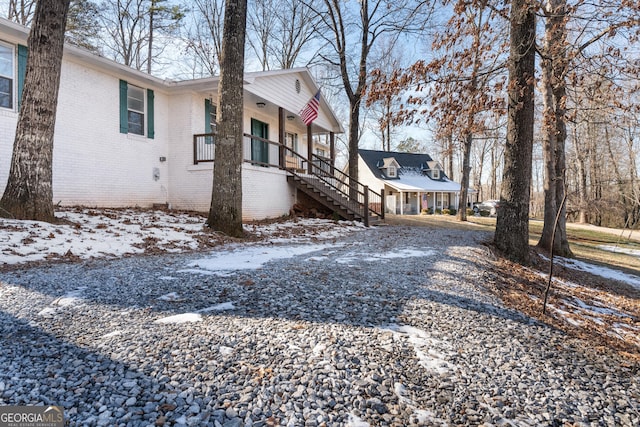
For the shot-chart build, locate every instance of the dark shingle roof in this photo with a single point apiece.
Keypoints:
(408, 161)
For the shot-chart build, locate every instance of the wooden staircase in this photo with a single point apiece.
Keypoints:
(337, 192)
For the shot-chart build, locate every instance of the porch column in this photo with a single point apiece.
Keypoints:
(401, 203)
(332, 148)
(309, 149)
(281, 137)
(435, 201)
(457, 201)
(418, 203)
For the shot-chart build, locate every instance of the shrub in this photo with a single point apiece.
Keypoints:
(484, 213)
(446, 211)
(424, 212)
(470, 212)
(452, 211)
(439, 211)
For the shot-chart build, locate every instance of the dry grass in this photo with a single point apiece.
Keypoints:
(604, 312)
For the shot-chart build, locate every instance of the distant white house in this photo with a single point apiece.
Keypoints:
(125, 138)
(410, 182)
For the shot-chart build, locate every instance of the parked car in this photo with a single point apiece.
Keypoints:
(489, 206)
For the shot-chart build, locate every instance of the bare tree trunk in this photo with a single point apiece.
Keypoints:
(549, 144)
(493, 190)
(225, 214)
(554, 67)
(29, 191)
(152, 12)
(512, 225)
(464, 182)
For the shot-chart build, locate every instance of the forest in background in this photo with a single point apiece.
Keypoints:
(437, 68)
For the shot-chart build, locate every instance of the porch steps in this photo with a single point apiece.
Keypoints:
(331, 199)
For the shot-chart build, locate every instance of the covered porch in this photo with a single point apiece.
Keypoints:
(403, 199)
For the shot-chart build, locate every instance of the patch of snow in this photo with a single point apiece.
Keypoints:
(47, 311)
(99, 233)
(383, 256)
(318, 349)
(566, 315)
(218, 307)
(598, 270)
(428, 349)
(249, 257)
(180, 318)
(620, 250)
(225, 351)
(171, 296)
(68, 300)
(597, 309)
(423, 416)
(355, 421)
(112, 334)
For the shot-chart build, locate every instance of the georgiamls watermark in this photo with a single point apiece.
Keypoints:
(31, 416)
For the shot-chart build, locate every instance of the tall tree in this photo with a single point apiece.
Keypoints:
(29, 191)
(512, 225)
(281, 32)
(21, 11)
(351, 30)
(204, 36)
(554, 66)
(225, 213)
(131, 29)
(83, 25)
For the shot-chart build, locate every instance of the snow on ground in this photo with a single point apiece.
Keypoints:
(98, 233)
(223, 263)
(583, 307)
(618, 249)
(181, 318)
(429, 350)
(598, 270)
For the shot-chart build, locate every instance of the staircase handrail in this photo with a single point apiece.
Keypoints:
(352, 183)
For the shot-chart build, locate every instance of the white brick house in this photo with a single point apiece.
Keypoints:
(125, 138)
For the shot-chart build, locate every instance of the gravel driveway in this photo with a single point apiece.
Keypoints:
(387, 326)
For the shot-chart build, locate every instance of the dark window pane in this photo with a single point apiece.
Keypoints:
(6, 93)
(136, 123)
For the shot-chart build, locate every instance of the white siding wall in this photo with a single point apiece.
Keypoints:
(8, 120)
(366, 177)
(266, 193)
(93, 163)
(281, 90)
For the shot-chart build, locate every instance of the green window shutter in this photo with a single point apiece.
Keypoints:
(150, 120)
(22, 70)
(207, 116)
(124, 114)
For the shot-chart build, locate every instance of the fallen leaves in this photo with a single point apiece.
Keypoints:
(604, 312)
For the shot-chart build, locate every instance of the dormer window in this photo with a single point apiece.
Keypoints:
(435, 174)
(389, 167)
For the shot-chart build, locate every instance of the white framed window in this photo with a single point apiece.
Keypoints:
(135, 109)
(7, 73)
(392, 172)
(435, 174)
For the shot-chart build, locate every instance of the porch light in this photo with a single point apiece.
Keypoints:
(290, 118)
(260, 104)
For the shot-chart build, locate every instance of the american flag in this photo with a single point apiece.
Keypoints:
(310, 112)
